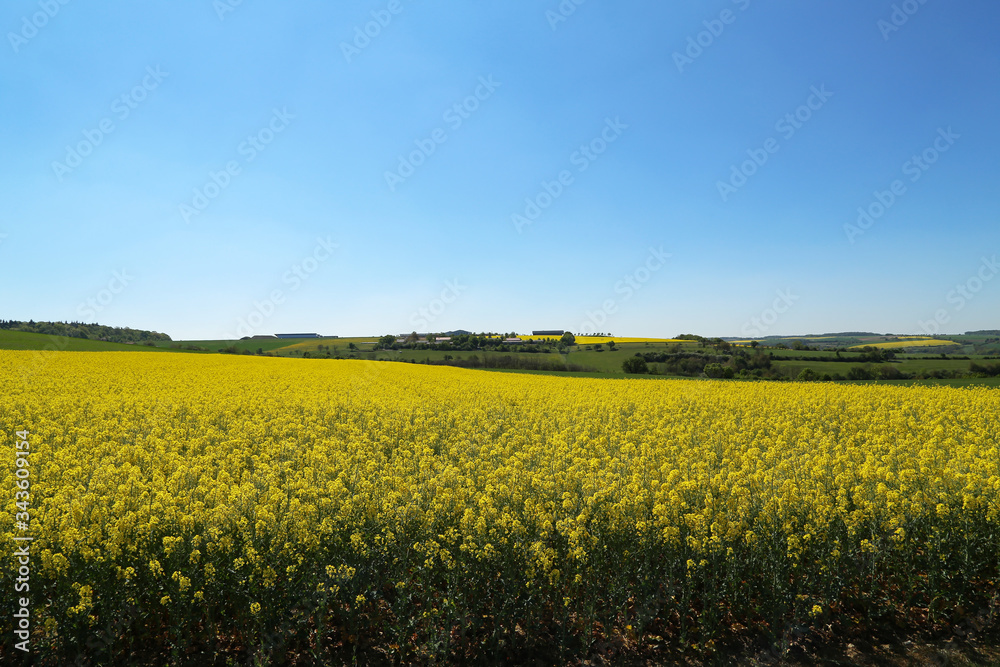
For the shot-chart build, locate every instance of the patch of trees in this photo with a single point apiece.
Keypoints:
(879, 372)
(984, 370)
(232, 349)
(719, 371)
(85, 330)
(867, 355)
(510, 362)
(857, 373)
(738, 364)
(471, 343)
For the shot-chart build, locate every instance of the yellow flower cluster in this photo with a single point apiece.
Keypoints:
(906, 341)
(196, 480)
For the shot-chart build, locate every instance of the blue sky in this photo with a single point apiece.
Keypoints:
(209, 169)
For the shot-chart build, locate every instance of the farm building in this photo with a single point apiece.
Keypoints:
(298, 335)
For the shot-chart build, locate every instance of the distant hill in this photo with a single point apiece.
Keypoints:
(23, 340)
(85, 331)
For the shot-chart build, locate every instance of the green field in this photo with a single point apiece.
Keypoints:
(279, 346)
(607, 363)
(19, 340)
(908, 366)
(298, 346)
(963, 343)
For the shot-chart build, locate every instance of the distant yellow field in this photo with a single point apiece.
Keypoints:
(594, 340)
(910, 342)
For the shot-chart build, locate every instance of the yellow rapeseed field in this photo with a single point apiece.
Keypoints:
(332, 508)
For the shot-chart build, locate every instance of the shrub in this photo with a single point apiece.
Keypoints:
(635, 365)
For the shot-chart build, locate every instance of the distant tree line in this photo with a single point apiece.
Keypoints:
(693, 364)
(510, 362)
(870, 364)
(472, 343)
(867, 355)
(85, 330)
(984, 370)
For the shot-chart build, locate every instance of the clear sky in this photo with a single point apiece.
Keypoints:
(647, 168)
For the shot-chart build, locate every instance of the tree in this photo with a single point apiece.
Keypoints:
(635, 365)
(568, 339)
(720, 344)
(352, 346)
(887, 372)
(611, 345)
(754, 344)
(387, 341)
(859, 373)
(719, 371)
(808, 375)
(412, 338)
